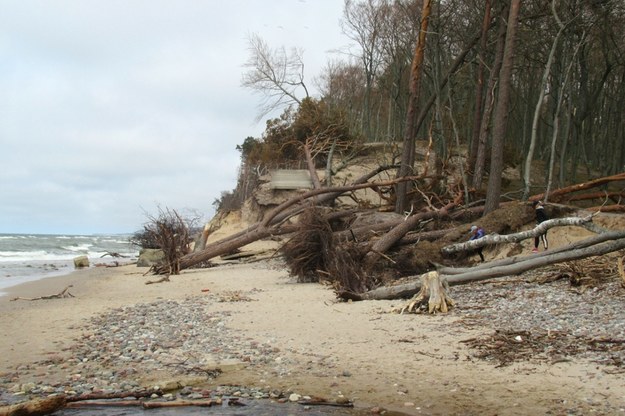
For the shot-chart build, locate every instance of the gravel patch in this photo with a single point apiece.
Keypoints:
(548, 316)
(187, 338)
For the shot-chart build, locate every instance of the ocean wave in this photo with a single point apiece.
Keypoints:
(83, 247)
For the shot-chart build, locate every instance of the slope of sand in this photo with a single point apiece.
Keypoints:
(417, 364)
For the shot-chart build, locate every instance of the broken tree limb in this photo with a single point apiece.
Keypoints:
(559, 193)
(143, 404)
(399, 231)
(162, 279)
(540, 229)
(62, 294)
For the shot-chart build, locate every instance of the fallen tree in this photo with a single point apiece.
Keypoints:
(271, 222)
(601, 244)
(539, 230)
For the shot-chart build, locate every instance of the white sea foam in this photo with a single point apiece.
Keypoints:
(27, 257)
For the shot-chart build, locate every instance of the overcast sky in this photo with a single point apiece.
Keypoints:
(112, 108)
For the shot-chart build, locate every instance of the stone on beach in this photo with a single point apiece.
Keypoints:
(81, 262)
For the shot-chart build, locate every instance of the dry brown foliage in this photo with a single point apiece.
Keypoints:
(313, 255)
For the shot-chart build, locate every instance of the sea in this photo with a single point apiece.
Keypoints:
(29, 257)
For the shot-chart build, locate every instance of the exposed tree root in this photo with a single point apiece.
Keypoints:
(433, 292)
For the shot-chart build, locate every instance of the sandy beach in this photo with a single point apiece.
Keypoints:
(416, 364)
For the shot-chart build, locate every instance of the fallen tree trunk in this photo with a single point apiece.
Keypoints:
(603, 244)
(399, 231)
(587, 242)
(559, 193)
(540, 229)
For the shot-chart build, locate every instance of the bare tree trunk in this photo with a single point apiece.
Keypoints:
(480, 158)
(501, 114)
(410, 135)
(311, 167)
(479, 89)
(542, 88)
(556, 127)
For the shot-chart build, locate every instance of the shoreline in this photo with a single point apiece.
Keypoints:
(287, 336)
(39, 270)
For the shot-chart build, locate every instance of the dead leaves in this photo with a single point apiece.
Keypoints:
(505, 347)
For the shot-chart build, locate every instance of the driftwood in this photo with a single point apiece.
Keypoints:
(145, 404)
(36, 407)
(62, 294)
(324, 402)
(162, 279)
(49, 405)
(137, 394)
(112, 254)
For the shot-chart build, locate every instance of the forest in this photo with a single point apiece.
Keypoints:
(512, 81)
(459, 94)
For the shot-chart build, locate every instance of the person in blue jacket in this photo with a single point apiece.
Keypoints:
(477, 232)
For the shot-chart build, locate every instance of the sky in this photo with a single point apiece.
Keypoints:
(111, 110)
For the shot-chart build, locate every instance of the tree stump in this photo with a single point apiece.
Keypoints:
(434, 292)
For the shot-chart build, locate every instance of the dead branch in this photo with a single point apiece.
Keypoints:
(144, 404)
(559, 193)
(112, 254)
(137, 394)
(62, 294)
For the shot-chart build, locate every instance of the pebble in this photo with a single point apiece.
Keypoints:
(579, 313)
(186, 337)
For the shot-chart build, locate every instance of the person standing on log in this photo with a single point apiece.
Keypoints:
(541, 216)
(476, 233)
